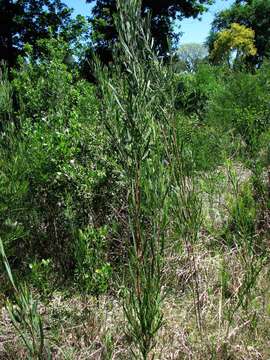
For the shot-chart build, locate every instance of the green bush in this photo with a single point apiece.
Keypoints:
(56, 170)
(204, 148)
(196, 90)
(6, 93)
(41, 272)
(92, 269)
(241, 108)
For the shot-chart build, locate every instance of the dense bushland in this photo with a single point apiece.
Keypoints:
(147, 191)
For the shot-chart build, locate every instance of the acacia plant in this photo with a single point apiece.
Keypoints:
(237, 38)
(129, 111)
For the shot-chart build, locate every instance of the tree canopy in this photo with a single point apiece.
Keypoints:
(163, 13)
(191, 54)
(237, 38)
(254, 14)
(27, 21)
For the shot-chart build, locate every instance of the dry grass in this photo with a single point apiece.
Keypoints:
(88, 328)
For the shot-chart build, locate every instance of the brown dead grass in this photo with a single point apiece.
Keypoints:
(89, 328)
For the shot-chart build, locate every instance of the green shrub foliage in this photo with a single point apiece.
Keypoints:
(55, 161)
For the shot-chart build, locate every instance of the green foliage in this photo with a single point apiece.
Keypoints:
(14, 189)
(251, 14)
(193, 95)
(241, 108)
(130, 106)
(92, 271)
(6, 93)
(57, 165)
(46, 87)
(28, 21)
(195, 90)
(163, 13)
(40, 274)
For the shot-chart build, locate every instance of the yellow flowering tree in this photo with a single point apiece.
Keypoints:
(238, 40)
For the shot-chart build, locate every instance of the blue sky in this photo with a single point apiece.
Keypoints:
(79, 6)
(197, 30)
(193, 30)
